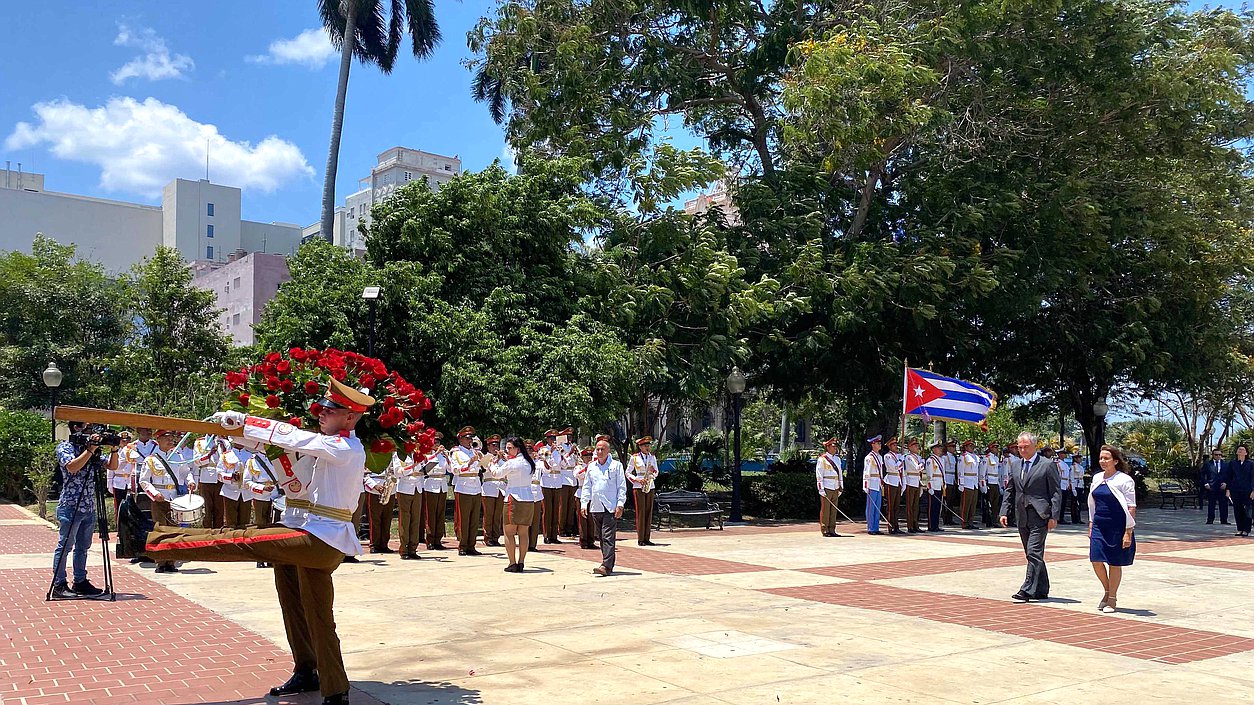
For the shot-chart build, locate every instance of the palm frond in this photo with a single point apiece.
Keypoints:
(491, 90)
(422, 26)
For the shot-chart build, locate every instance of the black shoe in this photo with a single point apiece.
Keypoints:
(263, 564)
(62, 591)
(1211, 522)
(461, 551)
(350, 559)
(473, 552)
(299, 683)
(513, 568)
(408, 556)
(383, 550)
(1021, 597)
(138, 559)
(1222, 522)
(337, 699)
(876, 533)
(1041, 597)
(87, 589)
(438, 547)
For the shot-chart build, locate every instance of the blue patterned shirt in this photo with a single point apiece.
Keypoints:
(77, 491)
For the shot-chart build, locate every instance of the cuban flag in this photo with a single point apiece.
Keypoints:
(946, 398)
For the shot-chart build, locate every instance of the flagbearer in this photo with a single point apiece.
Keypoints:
(829, 472)
(935, 471)
(467, 491)
(914, 479)
(892, 484)
(642, 471)
(969, 481)
(872, 484)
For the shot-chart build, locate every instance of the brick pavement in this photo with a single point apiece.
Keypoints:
(1197, 562)
(1114, 635)
(30, 538)
(933, 566)
(667, 562)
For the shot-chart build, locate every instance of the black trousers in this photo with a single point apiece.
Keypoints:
(1241, 506)
(1213, 497)
(933, 511)
(1032, 532)
(119, 496)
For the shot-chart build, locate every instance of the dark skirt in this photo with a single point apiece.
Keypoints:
(1109, 523)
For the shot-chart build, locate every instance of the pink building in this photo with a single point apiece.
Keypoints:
(244, 284)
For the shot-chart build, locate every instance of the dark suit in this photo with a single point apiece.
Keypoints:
(1240, 484)
(1215, 473)
(1035, 493)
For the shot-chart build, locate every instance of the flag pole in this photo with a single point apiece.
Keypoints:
(905, 394)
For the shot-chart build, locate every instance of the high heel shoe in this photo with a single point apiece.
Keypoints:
(1102, 605)
(1110, 606)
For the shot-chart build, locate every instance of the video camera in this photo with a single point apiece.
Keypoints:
(103, 436)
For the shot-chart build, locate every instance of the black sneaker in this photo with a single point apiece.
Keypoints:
(87, 589)
(62, 591)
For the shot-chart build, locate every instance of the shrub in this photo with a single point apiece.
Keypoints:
(23, 436)
(781, 495)
(43, 469)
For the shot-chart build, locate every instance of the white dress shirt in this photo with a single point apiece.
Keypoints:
(828, 473)
(605, 489)
(408, 477)
(969, 471)
(231, 473)
(436, 480)
(206, 451)
(643, 471)
(495, 482)
(465, 467)
(257, 481)
(522, 479)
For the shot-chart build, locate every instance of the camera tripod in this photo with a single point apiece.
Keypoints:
(102, 529)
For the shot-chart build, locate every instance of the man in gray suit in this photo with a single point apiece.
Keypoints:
(1034, 491)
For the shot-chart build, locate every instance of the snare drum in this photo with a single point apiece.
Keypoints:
(187, 511)
(278, 506)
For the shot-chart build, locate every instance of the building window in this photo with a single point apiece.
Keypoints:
(409, 175)
(803, 432)
(352, 212)
(209, 209)
(448, 167)
(228, 288)
(237, 283)
(208, 231)
(209, 252)
(235, 320)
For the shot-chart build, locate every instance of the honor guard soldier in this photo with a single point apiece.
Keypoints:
(873, 484)
(893, 481)
(236, 504)
(914, 479)
(435, 497)
(467, 491)
(495, 489)
(1062, 459)
(969, 483)
(950, 461)
(409, 501)
(568, 505)
(1077, 488)
(829, 475)
(642, 471)
(304, 551)
(549, 461)
(934, 468)
(260, 483)
(990, 483)
(208, 485)
(161, 478)
(587, 527)
(1010, 463)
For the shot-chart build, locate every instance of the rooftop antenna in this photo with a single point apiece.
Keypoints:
(206, 159)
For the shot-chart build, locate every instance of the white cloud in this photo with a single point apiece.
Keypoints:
(141, 146)
(311, 48)
(507, 159)
(155, 63)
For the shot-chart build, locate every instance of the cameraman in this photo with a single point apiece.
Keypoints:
(80, 464)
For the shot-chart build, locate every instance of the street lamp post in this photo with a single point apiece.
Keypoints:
(736, 387)
(52, 378)
(371, 295)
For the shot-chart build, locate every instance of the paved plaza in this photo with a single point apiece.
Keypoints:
(754, 614)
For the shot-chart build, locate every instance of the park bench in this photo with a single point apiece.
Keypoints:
(1174, 494)
(685, 505)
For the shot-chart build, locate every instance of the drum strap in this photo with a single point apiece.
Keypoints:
(179, 488)
(265, 466)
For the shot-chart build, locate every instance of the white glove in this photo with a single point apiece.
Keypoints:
(230, 419)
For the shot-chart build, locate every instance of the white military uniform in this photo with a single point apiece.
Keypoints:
(130, 460)
(642, 471)
(829, 473)
(990, 471)
(207, 450)
(231, 473)
(969, 471)
(872, 472)
(495, 482)
(465, 471)
(914, 470)
(257, 481)
(156, 481)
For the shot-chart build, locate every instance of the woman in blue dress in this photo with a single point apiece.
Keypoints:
(1112, 512)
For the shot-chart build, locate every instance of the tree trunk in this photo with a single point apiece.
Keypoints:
(337, 123)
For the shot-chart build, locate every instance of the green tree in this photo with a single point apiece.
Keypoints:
(371, 31)
(57, 307)
(24, 437)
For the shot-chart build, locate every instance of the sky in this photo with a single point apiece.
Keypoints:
(115, 99)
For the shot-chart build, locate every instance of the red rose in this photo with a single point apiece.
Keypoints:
(315, 409)
(287, 385)
(311, 387)
(387, 420)
(367, 381)
(295, 421)
(410, 447)
(382, 445)
(389, 402)
(243, 399)
(296, 354)
(235, 380)
(272, 401)
(415, 427)
(272, 383)
(273, 357)
(426, 404)
(284, 367)
(338, 374)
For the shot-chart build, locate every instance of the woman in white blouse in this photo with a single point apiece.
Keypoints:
(522, 501)
(1112, 512)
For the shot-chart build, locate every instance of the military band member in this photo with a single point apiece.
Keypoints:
(952, 494)
(990, 483)
(538, 450)
(969, 483)
(935, 470)
(467, 491)
(873, 484)
(409, 501)
(236, 504)
(379, 513)
(495, 489)
(829, 476)
(892, 484)
(914, 479)
(208, 485)
(130, 461)
(435, 497)
(549, 461)
(161, 477)
(587, 528)
(567, 502)
(305, 551)
(259, 484)
(642, 472)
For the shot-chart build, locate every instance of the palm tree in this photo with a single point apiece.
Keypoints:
(370, 30)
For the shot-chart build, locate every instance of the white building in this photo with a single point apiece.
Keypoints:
(243, 286)
(395, 168)
(718, 198)
(198, 218)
